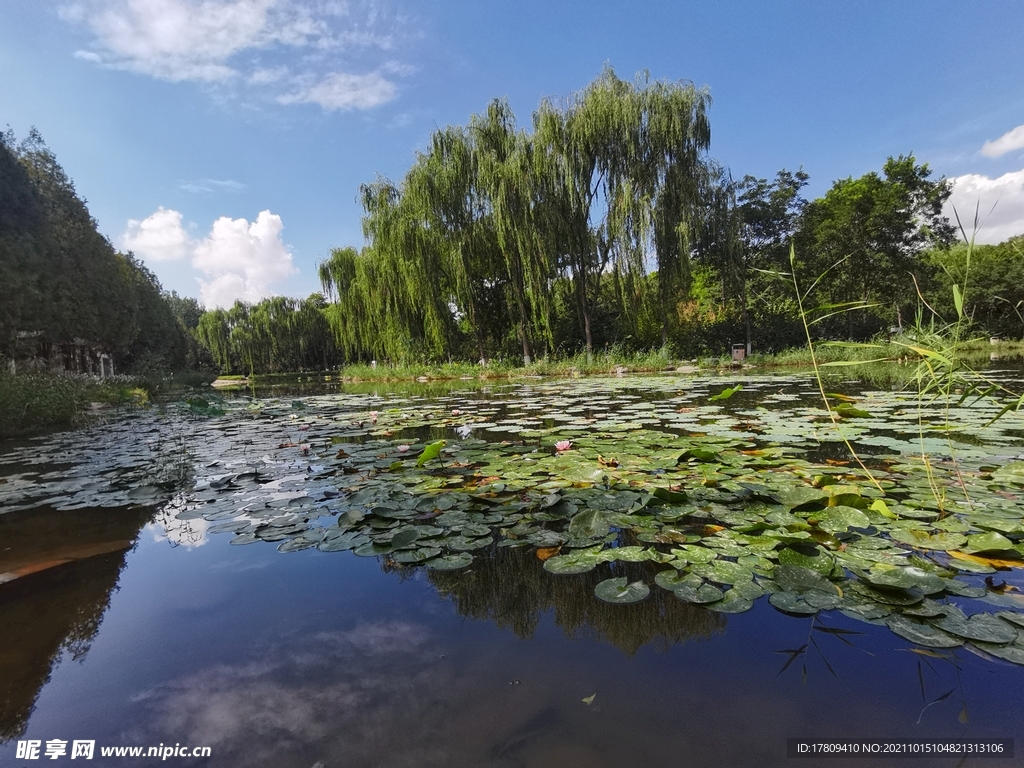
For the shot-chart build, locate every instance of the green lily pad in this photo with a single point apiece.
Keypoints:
(923, 540)
(589, 524)
(801, 495)
(404, 538)
(671, 579)
(296, 544)
(373, 550)
(898, 597)
(416, 555)
(343, 541)
(1012, 617)
(987, 542)
(981, 626)
(841, 518)
(450, 562)
(795, 578)
(921, 633)
(621, 590)
(705, 593)
(732, 602)
(578, 561)
(815, 558)
(466, 544)
(1011, 653)
(723, 572)
(891, 577)
(791, 602)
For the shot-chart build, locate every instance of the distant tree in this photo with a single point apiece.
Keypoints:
(866, 235)
(994, 281)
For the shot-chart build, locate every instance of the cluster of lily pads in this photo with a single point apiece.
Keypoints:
(727, 493)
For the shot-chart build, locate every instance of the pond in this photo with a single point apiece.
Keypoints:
(586, 572)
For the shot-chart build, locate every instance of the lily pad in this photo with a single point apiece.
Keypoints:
(589, 524)
(450, 562)
(795, 578)
(416, 555)
(733, 602)
(814, 558)
(981, 626)
(921, 633)
(891, 577)
(621, 590)
(705, 593)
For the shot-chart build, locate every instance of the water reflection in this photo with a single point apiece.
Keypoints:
(59, 569)
(511, 589)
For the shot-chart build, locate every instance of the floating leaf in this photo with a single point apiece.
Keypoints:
(904, 578)
(578, 561)
(589, 524)
(815, 558)
(450, 562)
(621, 590)
(733, 602)
(416, 555)
(921, 633)
(795, 578)
(705, 593)
(791, 602)
(981, 626)
(840, 518)
(924, 540)
(988, 542)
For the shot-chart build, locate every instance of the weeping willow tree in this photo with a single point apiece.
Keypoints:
(676, 134)
(472, 246)
(506, 170)
(408, 289)
(453, 234)
(620, 163)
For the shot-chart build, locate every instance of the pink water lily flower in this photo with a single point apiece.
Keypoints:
(373, 416)
(456, 412)
(403, 448)
(563, 445)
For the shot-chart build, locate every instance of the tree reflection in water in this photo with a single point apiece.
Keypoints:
(512, 589)
(67, 566)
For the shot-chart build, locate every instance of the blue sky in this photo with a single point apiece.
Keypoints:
(224, 141)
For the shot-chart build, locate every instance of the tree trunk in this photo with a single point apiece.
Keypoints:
(746, 311)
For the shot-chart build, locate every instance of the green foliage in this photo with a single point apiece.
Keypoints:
(994, 297)
(276, 335)
(862, 242)
(61, 281)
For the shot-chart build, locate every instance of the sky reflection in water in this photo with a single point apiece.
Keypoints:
(293, 659)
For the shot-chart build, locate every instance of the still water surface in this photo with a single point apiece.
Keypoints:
(157, 632)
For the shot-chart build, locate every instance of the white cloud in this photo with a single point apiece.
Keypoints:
(1008, 142)
(999, 203)
(248, 44)
(343, 91)
(236, 260)
(211, 185)
(159, 237)
(241, 260)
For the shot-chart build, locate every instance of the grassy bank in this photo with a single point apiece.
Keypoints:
(37, 402)
(887, 353)
(576, 365)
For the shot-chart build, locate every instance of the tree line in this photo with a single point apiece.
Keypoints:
(64, 287)
(605, 224)
(608, 224)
